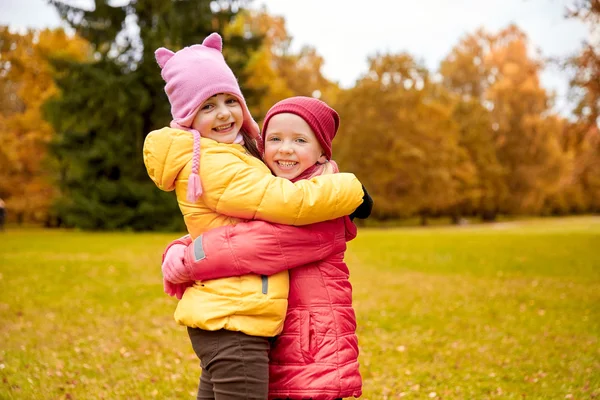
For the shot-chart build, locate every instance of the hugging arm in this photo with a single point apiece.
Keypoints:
(253, 247)
(364, 210)
(254, 193)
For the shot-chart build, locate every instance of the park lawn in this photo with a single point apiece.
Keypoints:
(507, 311)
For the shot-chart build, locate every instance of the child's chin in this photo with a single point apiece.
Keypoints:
(228, 138)
(293, 175)
(287, 174)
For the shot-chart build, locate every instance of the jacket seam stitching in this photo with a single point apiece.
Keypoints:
(225, 189)
(165, 161)
(287, 264)
(301, 212)
(337, 200)
(262, 198)
(337, 328)
(233, 255)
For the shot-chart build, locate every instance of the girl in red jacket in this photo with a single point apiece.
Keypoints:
(206, 155)
(316, 355)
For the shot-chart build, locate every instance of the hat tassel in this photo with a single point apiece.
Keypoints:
(194, 189)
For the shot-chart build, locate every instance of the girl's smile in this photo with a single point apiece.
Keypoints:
(291, 147)
(219, 118)
(287, 164)
(225, 128)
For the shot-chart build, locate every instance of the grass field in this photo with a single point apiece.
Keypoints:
(506, 311)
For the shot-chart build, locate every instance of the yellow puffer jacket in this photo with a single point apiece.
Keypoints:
(237, 186)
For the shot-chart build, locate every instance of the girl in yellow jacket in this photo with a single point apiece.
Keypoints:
(209, 157)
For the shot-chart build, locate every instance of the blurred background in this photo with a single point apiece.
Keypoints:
(458, 112)
(452, 113)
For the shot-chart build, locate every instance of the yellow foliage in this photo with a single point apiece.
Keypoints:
(510, 68)
(28, 76)
(273, 69)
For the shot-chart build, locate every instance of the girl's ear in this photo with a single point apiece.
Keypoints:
(322, 159)
(162, 56)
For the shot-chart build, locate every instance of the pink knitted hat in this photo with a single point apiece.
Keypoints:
(192, 75)
(322, 119)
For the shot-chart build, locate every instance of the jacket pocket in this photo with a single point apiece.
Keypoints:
(307, 337)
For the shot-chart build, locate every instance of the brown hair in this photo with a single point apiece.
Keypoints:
(250, 145)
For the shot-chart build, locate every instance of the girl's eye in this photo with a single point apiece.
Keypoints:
(301, 140)
(273, 139)
(232, 100)
(206, 107)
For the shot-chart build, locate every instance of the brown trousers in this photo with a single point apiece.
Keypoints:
(235, 366)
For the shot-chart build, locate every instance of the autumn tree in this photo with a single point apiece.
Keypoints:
(108, 106)
(587, 63)
(466, 74)
(261, 69)
(581, 139)
(487, 189)
(274, 69)
(527, 135)
(399, 137)
(26, 180)
(519, 158)
(580, 192)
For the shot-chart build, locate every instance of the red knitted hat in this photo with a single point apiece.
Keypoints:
(322, 119)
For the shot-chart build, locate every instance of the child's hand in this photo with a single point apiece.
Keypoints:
(364, 210)
(175, 275)
(173, 266)
(176, 289)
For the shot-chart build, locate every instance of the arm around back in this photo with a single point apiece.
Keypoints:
(241, 186)
(261, 248)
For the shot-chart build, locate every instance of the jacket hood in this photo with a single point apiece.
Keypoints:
(167, 152)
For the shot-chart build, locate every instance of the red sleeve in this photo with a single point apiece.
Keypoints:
(262, 248)
(351, 230)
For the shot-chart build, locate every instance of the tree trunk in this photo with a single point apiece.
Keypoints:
(455, 219)
(489, 216)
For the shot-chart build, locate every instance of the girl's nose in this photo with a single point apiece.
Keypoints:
(223, 113)
(285, 148)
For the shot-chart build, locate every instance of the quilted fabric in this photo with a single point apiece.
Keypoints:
(316, 355)
(238, 187)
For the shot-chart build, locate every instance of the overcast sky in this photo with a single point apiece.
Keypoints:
(346, 32)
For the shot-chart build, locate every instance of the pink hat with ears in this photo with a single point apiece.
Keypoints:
(192, 75)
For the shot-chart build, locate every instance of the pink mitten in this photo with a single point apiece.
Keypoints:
(176, 289)
(173, 267)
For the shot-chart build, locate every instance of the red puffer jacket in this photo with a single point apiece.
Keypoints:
(316, 356)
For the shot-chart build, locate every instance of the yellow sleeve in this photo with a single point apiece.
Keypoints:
(166, 152)
(246, 189)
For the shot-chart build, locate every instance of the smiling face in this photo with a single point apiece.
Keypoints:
(291, 146)
(219, 118)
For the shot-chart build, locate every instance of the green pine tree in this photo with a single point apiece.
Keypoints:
(107, 107)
